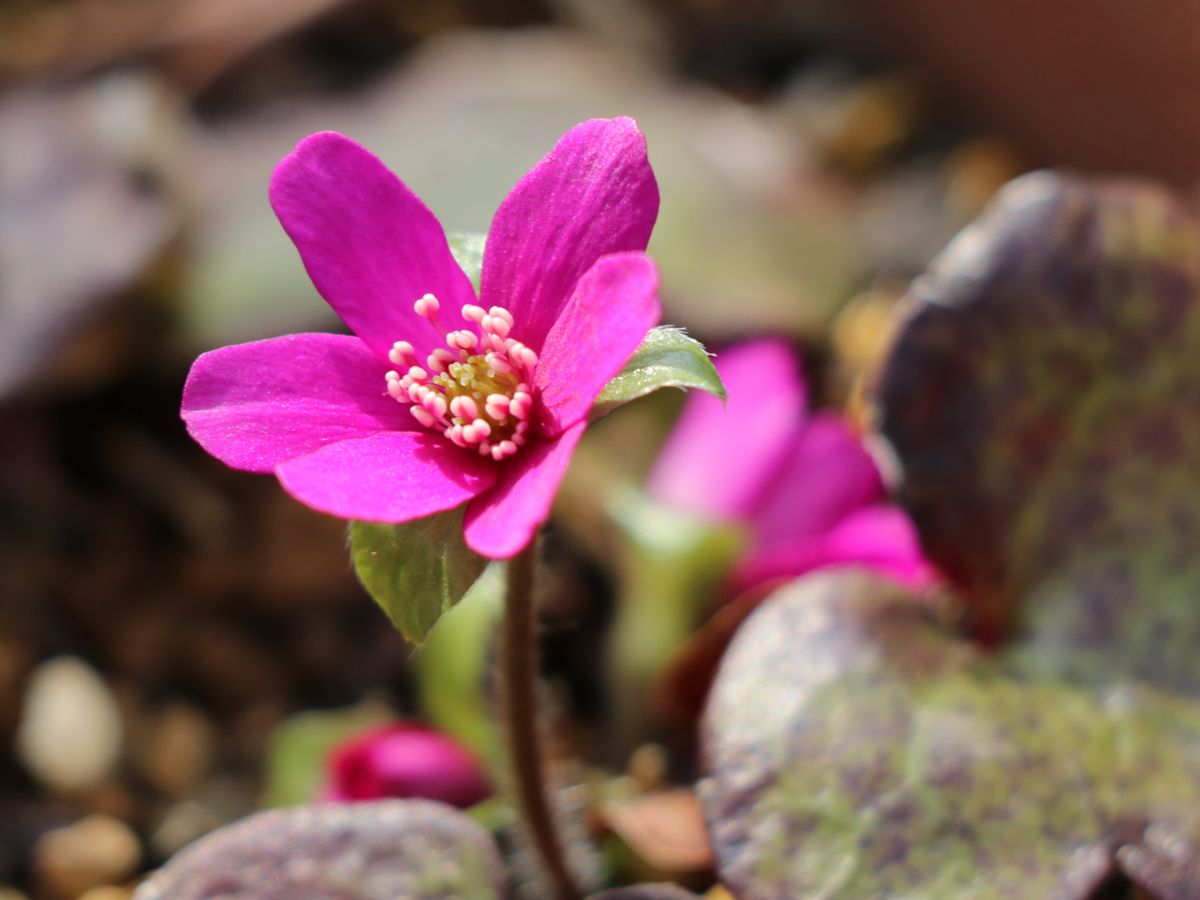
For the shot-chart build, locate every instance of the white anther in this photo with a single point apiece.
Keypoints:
(496, 325)
(417, 391)
(482, 428)
(498, 363)
(518, 407)
(422, 415)
(473, 313)
(440, 359)
(485, 449)
(417, 374)
(499, 312)
(519, 439)
(496, 406)
(435, 403)
(401, 353)
(503, 449)
(462, 340)
(427, 307)
(397, 391)
(455, 433)
(527, 358)
(522, 427)
(464, 408)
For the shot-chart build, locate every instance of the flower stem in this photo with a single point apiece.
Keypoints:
(518, 679)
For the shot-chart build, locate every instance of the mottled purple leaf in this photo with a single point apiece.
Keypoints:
(1042, 404)
(858, 748)
(361, 851)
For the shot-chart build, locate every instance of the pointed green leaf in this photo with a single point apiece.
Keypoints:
(415, 571)
(467, 248)
(666, 358)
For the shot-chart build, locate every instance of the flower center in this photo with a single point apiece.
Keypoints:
(477, 390)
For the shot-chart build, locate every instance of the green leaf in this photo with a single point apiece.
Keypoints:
(666, 358)
(671, 566)
(467, 248)
(295, 763)
(393, 848)
(415, 571)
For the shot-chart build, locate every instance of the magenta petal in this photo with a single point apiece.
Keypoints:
(390, 477)
(254, 405)
(369, 244)
(501, 523)
(826, 476)
(608, 315)
(880, 538)
(722, 457)
(592, 195)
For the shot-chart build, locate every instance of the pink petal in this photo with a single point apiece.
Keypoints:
(879, 537)
(826, 476)
(500, 523)
(722, 457)
(613, 306)
(369, 244)
(254, 405)
(396, 476)
(592, 195)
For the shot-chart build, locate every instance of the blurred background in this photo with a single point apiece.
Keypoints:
(162, 617)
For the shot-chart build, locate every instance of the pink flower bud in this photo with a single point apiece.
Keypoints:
(405, 760)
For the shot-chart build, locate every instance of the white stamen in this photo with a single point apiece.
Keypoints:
(422, 415)
(464, 407)
(401, 354)
(473, 313)
(427, 306)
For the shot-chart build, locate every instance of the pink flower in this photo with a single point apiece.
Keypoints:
(804, 485)
(403, 760)
(442, 397)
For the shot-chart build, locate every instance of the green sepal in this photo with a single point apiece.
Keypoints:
(667, 357)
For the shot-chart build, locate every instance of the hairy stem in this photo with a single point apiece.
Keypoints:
(518, 679)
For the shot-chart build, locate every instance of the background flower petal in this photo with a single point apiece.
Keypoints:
(826, 475)
(721, 457)
(880, 538)
(592, 195)
(369, 244)
(254, 405)
(501, 522)
(612, 307)
(395, 476)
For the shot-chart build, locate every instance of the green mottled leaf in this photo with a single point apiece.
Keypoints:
(1042, 405)
(368, 851)
(858, 748)
(1041, 402)
(415, 571)
(295, 763)
(666, 358)
(467, 248)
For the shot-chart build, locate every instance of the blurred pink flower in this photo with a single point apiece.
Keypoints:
(412, 416)
(804, 485)
(402, 760)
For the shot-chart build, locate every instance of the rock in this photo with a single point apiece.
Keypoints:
(94, 852)
(178, 749)
(70, 734)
